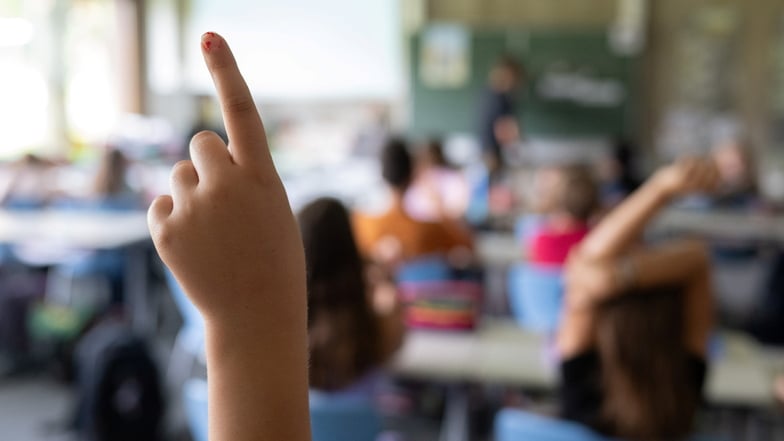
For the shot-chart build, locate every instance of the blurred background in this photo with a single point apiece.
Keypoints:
(99, 98)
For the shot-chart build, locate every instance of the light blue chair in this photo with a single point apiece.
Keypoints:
(343, 418)
(536, 296)
(425, 269)
(332, 419)
(195, 404)
(517, 425)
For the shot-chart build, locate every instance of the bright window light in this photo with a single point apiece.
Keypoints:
(15, 32)
(23, 113)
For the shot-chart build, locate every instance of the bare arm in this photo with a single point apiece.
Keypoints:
(228, 235)
(622, 228)
(604, 266)
(684, 263)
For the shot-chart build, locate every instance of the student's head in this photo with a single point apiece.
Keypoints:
(647, 389)
(342, 332)
(110, 178)
(568, 190)
(431, 154)
(507, 74)
(735, 165)
(396, 165)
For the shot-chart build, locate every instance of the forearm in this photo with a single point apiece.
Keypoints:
(258, 385)
(676, 263)
(623, 226)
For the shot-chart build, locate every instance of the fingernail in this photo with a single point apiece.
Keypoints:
(210, 41)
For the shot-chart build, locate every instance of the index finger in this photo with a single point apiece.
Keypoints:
(247, 139)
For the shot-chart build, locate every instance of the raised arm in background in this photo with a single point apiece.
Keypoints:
(622, 228)
(228, 235)
(609, 263)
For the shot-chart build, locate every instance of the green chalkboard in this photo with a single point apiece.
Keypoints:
(440, 111)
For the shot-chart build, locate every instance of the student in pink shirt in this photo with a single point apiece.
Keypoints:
(573, 204)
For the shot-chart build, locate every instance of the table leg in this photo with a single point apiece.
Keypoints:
(455, 426)
(136, 288)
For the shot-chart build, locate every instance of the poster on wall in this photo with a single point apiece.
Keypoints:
(705, 69)
(445, 56)
(777, 89)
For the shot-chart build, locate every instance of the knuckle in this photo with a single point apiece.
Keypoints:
(182, 168)
(204, 137)
(237, 105)
(163, 237)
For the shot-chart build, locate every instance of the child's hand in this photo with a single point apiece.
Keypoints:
(227, 231)
(686, 176)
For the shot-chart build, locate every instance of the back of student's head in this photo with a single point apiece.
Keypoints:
(396, 164)
(507, 73)
(342, 331)
(110, 178)
(432, 154)
(648, 392)
(578, 195)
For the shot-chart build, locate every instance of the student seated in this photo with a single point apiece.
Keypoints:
(637, 319)
(737, 174)
(396, 228)
(571, 203)
(354, 325)
(110, 187)
(29, 183)
(617, 173)
(440, 191)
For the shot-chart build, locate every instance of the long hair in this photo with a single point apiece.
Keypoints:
(647, 389)
(343, 334)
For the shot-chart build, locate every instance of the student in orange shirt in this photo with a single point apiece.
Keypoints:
(396, 229)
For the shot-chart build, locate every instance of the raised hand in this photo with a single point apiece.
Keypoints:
(227, 231)
(228, 235)
(688, 175)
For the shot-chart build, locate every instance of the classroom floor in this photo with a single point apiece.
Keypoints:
(31, 406)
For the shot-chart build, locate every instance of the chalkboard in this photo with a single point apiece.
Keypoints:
(550, 57)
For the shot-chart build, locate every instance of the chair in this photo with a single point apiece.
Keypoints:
(516, 425)
(195, 403)
(536, 296)
(438, 296)
(343, 419)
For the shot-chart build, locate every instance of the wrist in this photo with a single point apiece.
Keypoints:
(625, 274)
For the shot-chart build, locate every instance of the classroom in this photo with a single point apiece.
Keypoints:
(391, 220)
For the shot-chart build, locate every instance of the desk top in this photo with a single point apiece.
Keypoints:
(498, 249)
(501, 353)
(723, 224)
(73, 229)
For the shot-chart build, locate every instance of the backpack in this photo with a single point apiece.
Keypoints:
(119, 390)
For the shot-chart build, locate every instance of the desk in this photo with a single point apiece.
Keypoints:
(501, 353)
(722, 225)
(498, 249)
(87, 230)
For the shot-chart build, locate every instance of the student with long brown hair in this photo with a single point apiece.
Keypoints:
(637, 319)
(353, 326)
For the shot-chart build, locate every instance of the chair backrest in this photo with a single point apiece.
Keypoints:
(195, 404)
(536, 296)
(191, 317)
(516, 425)
(343, 419)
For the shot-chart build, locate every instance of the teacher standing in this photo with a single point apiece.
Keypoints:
(498, 117)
